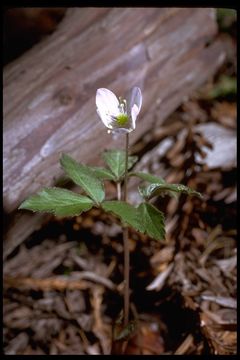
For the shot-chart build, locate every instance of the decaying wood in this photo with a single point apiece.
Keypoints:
(49, 92)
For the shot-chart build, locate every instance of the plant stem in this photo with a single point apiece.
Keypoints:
(119, 191)
(126, 169)
(126, 275)
(125, 242)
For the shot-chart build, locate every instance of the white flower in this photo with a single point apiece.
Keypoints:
(119, 116)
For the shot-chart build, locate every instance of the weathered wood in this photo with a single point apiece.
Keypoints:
(49, 92)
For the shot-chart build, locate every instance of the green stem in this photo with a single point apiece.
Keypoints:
(126, 169)
(125, 242)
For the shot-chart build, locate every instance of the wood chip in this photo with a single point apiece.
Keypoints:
(158, 283)
(224, 301)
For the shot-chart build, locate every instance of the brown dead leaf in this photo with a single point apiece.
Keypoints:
(222, 342)
(225, 113)
(147, 341)
(165, 255)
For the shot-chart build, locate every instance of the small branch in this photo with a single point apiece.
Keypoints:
(77, 280)
(56, 282)
(92, 276)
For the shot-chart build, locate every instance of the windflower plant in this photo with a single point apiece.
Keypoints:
(120, 117)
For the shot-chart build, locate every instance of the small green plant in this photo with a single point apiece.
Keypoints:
(119, 116)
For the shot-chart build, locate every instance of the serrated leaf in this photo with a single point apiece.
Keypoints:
(83, 176)
(148, 177)
(132, 159)
(152, 221)
(144, 192)
(127, 213)
(59, 201)
(162, 189)
(115, 159)
(103, 173)
(153, 179)
(145, 218)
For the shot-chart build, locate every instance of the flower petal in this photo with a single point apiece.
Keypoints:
(106, 119)
(134, 114)
(136, 99)
(107, 102)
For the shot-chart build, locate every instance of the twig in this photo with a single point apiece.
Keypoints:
(92, 276)
(76, 281)
(45, 284)
(186, 344)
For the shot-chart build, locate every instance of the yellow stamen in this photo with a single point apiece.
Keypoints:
(122, 119)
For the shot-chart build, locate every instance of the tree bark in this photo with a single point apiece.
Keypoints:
(49, 92)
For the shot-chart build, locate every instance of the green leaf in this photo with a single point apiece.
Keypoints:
(145, 218)
(115, 159)
(103, 173)
(152, 221)
(84, 176)
(132, 159)
(152, 179)
(148, 177)
(127, 213)
(59, 201)
(162, 189)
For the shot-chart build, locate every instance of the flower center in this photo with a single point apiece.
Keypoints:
(122, 119)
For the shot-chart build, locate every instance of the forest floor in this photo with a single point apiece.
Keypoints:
(63, 288)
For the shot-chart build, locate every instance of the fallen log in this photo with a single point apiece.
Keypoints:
(49, 92)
